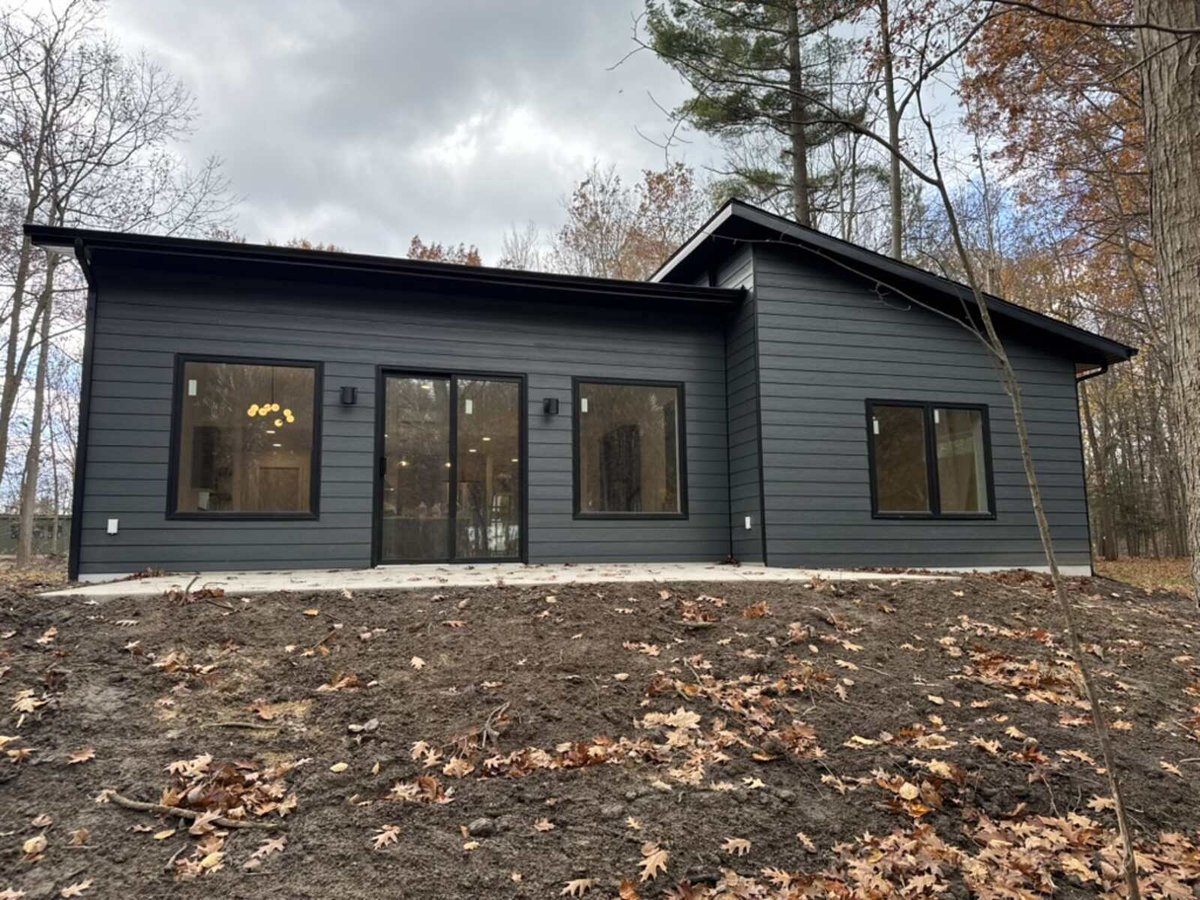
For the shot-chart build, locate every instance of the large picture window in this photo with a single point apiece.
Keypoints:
(629, 450)
(245, 439)
(929, 460)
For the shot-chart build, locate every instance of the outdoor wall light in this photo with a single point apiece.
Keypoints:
(349, 395)
(550, 406)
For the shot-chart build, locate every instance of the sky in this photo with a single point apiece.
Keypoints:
(364, 122)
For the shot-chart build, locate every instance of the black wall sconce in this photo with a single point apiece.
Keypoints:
(349, 395)
(550, 406)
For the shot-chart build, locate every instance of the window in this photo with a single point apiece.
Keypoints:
(629, 450)
(929, 461)
(245, 439)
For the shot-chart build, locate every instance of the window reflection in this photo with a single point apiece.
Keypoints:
(246, 438)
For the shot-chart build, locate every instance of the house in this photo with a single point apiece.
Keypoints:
(772, 394)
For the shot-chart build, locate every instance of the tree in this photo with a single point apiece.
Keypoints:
(1170, 79)
(521, 249)
(461, 255)
(962, 22)
(613, 231)
(755, 87)
(87, 137)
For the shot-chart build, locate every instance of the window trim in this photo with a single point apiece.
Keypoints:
(680, 444)
(314, 481)
(935, 497)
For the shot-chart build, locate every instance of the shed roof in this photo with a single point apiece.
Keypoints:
(741, 222)
(96, 248)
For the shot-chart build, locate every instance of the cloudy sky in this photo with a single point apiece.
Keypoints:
(363, 122)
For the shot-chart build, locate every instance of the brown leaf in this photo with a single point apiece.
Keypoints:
(577, 888)
(82, 755)
(543, 825)
(76, 889)
(654, 861)
(736, 846)
(386, 836)
(34, 847)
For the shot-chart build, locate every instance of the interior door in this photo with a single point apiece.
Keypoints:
(451, 469)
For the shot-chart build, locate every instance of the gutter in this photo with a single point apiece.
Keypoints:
(1094, 373)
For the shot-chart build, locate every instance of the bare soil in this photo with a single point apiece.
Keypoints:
(864, 739)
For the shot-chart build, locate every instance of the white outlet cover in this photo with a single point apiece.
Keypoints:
(113, 525)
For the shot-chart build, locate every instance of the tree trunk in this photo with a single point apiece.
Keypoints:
(13, 363)
(29, 492)
(893, 123)
(1171, 98)
(798, 119)
(1107, 548)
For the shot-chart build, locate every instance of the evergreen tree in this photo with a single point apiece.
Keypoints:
(757, 88)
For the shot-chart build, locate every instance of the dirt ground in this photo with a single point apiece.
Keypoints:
(857, 740)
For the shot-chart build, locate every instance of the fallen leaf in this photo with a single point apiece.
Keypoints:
(82, 755)
(471, 845)
(42, 820)
(312, 612)
(654, 861)
(164, 834)
(543, 825)
(1171, 767)
(34, 847)
(79, 837)
(736, 846)
(386, 836)
(76, 889)
(577, 888)
(339, 767)
(417, 663)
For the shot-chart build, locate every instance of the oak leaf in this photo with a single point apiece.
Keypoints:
(577, 888)
(736, 846)
(76, 889)
(654, 861)
(82, 755)
(386, 836)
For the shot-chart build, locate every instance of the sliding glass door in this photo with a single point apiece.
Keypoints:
(450, 469)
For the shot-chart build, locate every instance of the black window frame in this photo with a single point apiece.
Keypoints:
(173, 511)
(931, 470)
(680, 449)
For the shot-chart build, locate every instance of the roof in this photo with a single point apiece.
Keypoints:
(738, 221)
(96, 248)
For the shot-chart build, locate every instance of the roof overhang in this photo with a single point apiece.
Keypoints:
(99, 249)
(739, 222)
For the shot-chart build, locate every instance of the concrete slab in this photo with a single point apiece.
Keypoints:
(442, 576)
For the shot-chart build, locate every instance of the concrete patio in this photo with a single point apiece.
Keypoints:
(447, 576)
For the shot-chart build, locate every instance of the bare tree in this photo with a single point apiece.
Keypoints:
(87, 136)
(521, 248)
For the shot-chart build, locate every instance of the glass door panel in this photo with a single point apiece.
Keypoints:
(444, 431)
(488, 471)
(416, 470)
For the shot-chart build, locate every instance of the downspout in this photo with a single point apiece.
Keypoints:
(1087, 506)
(85, 402)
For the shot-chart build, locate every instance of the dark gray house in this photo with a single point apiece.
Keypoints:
(773, 394)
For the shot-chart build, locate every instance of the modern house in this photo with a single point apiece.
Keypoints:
(773, 395)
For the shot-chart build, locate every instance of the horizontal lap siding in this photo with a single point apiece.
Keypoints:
(352, 331)
(742, 402)
(826, 344)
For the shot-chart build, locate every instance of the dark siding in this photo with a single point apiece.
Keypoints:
(139, 329)
(826, 344)
(742, 397)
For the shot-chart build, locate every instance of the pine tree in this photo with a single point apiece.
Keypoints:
(756, 88)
